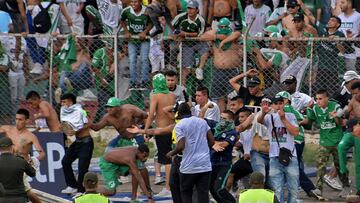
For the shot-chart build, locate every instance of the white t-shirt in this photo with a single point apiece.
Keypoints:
(9, 43)
(196, 155)
(110, 12)
(351, 23)
(300, 100)
(246, 138)
(71, 7)
(211, 113)
(285, 138)
(261, 16)
(179, 93)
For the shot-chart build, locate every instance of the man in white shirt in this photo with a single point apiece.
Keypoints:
(299, 101)
(282, 127)
(258, 12)
(205, 108)
(350, 26)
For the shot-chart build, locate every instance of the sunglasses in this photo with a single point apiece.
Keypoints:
(292, 7)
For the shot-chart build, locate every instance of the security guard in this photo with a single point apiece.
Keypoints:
(90, 183)
(257, 193)
(12, 169)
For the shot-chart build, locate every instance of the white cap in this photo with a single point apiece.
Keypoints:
(350, 75)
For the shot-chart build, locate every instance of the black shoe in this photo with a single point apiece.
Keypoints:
(156, 32)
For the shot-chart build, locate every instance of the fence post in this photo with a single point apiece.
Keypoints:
(116, 71)
(244, 58)
(180, 63)
(311, 65)
(51, 69)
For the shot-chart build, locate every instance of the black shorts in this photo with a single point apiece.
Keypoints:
(241, 168)
(163, 144)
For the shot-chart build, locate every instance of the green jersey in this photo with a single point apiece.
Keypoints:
(100, 61)
(136, 23)
(185, 24)
(279, 59)
(330, 132)
(299, 117)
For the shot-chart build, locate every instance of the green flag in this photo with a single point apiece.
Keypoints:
(67, 54)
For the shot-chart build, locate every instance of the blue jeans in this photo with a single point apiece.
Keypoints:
(80, 79)
(144, 48)
(305, 182)
(279, 174)
(260, 163)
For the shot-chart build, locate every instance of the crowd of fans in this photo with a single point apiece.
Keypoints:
(209, 68)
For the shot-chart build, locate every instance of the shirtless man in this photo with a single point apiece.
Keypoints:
(227, 59)
(126, 159)
(46, 115)
(23, 141)
(120, 116)
(288, 23)
(224, 8)
(160, 98)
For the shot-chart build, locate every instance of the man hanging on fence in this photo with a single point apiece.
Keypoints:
(227, 60)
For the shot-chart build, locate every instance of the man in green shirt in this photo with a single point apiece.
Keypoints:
(348, 141)
(191, 24)
(135, 21)
(327, 114)
(104, 77)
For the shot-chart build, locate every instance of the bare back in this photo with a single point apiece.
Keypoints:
(53, 119)
(161, 101)
(121, 155)
(355, 108)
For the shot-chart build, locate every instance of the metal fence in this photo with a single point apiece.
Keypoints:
(104, 66)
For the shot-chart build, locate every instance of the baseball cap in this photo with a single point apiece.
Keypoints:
(252, 82)
(351, 123)
(292, 3)
(299, 17)
(277, 98)
(224, 22)
(284, 95)
(290, 79)
(350, 75)
(275, 35)
(193, 4)
(5, 142)
(91, 177)
(113, 102)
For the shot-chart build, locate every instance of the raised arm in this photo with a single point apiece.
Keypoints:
(243, 126)
(307, 12)
(292, 129)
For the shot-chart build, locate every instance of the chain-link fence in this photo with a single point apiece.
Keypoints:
(86, 66)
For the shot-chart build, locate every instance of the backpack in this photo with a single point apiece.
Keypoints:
(42, 21)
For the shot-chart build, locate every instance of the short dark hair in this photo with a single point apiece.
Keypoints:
(338, 20)
(245, 110)
(237, 98)
(33, 94)
(323, 91)
(170, 73)
(230, 113)
(356, 85)
(203, 90)
(183, 109)
(143, 148)
(69, 96)
(24, 112)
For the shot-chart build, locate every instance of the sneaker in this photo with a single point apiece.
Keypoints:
(333, 183)
(87, 95)
(124, 179)
(159, 180)
(38, 69)
(199, 74)
(69, 190)
(68, 84)
(58, 93)
(345, 192)
(164, 193)
(316, 194)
